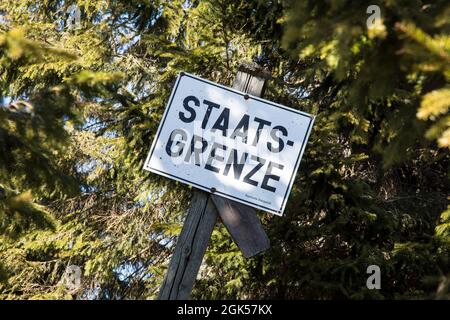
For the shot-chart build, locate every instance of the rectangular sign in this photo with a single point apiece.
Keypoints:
(224, 141)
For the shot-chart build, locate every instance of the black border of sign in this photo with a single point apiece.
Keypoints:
(294, 172)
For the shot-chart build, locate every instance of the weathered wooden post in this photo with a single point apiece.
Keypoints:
(190, 248)
(240, 220)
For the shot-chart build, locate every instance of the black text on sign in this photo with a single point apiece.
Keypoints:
(244, 148)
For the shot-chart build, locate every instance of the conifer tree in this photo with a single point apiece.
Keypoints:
(84, 83)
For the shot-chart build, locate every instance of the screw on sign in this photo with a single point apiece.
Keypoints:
(241, 150)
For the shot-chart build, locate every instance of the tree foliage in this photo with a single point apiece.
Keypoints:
(81, 101)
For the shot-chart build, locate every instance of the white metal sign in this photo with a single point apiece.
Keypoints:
(224, 141)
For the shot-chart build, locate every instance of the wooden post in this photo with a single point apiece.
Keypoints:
(190, 248)
(240, 220)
